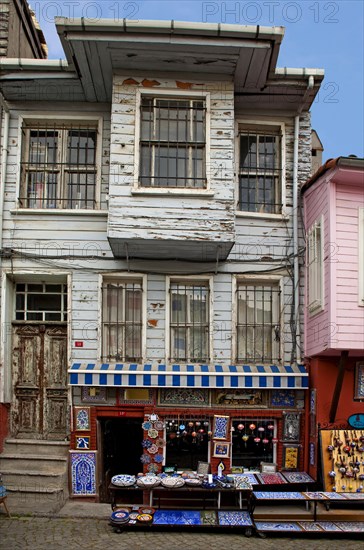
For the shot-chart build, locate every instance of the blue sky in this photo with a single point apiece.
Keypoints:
(318, 34)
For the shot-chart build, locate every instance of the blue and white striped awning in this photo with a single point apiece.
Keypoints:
(187, 376)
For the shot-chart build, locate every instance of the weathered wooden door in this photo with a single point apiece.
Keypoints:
(39, 408)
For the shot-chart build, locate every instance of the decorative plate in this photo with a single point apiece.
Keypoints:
(153, 433)
(193, 482)
(147, 425)
(119, 517)
(173, 482)
(123, 480)
(153, 468)
(133, 515)
(144, 518)
(160, 442)
(145, 459)
(146, 443)
(159, 425)
(122, 509)
(158, 458)
(148, 482)
(153, 449)
(146, 510)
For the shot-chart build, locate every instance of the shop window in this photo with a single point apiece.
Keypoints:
(315, 267)
(258, 322)
(189, 321)
(58, 166)
(172, 143)
(40, 302)
(122, 320)
(252, 442)
(187, 442)
(260, 171)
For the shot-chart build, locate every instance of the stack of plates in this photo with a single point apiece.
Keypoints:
(193, 481)
(119, 517)
(123, 480)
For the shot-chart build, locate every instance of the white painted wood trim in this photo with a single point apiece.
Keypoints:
(361, 256)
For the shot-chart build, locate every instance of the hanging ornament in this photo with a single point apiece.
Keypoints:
(240, 427)
(270, 426)
(194, 434)
(261, 429)
(198, 423)
(257, 439)
(265, 441)
(252, 427)
(182, 426)
(201, 431)
(274, 440)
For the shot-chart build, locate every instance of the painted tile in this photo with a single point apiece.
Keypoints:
(277, 495)
(333, 496)
(353, 496)
(249, 477)
(177, 517)
(351, 526)
(315, 495)
(83, 473)
(235, 518)
(208, 517)
(271, 479)
(297, 477)
(310, 526)
(277, 526)
(329, 526)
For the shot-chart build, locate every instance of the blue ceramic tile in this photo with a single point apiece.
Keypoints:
(351, 526)
(278, 495)
(277, 526)
(235, 518)
(83, 473)
(329, 526)
(297, 477)
(177, 517)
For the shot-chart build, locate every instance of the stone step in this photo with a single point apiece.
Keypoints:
(36, 502)
(39, 463)
(36, 446)
(22, 479)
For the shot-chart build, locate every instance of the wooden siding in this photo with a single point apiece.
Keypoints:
(172, 217)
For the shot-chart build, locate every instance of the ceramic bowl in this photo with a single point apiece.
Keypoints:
(123, 480)
(148, 482)
(193, 482)
(173, 482)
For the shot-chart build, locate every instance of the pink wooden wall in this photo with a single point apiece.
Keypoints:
(337, 196)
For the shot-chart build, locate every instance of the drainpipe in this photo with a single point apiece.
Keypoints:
(296, 279)
(4, 160)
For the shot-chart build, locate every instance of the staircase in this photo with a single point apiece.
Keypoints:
(35, 474)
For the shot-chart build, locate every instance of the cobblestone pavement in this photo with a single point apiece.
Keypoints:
(38, 533)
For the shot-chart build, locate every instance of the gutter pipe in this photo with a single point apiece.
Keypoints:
(4, 160)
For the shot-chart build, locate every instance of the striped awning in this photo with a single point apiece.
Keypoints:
(187, 376)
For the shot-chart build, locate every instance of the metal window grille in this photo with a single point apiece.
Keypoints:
(122, 321)
(260, 173)
(59, 167)
(172, 143)
(258, 323)
(315, 266)
(40, 302)
(189, 322)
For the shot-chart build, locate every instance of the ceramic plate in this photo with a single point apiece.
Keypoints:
(193, 482)
(123, 480)
(148, 481)
(173, 482)
(144, 518)
(146, 510)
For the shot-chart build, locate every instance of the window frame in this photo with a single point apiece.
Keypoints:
(268, 280)
(26, 121)
(279, 129)
(315, 267)
(361, 256)
(188, 279)
(120, 278)
(176, 95)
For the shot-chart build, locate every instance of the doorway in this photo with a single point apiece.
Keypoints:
(121, 449)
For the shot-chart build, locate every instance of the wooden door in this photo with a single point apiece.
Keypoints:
(39, 408)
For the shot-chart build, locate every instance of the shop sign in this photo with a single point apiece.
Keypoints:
(356, 421)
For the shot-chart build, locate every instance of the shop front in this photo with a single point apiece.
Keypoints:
(133, 419)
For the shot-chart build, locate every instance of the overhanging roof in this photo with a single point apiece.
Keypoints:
(188, 376)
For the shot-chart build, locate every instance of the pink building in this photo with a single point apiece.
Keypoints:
(333, 202)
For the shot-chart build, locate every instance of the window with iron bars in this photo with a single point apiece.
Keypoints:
(40, 302)
(258, 323)
(58, 168)
(172, 143)
(189, 321)
(260, 172)
(122, 320)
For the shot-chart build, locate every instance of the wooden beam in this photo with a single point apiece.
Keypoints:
(338, 385)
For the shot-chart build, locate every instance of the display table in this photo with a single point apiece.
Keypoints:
(185, 494)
